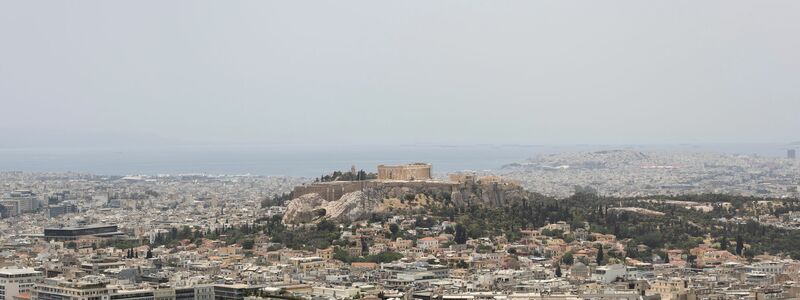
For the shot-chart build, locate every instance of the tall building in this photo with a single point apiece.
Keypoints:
(791, 154)
(61, 209)
(14, 282)
(10, 208)
(28, 201)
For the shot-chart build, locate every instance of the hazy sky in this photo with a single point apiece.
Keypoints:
(297, 72)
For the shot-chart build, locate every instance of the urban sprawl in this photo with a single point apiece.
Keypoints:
(593, 225)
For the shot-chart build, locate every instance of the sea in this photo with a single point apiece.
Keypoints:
(311, 161)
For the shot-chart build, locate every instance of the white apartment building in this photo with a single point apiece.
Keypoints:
(607, 274)
(87, 288)
(17, 281)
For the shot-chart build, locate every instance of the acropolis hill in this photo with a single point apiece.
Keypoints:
(394, 186)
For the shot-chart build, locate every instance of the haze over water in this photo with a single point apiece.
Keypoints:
(309, 161)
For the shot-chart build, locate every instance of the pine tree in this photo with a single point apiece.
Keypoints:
(723, 244)
(558, 270)
(149, 254)
(739, 245)
(599, 259)
(461, 234)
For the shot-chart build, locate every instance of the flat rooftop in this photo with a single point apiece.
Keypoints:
(18, 271)
(81, 227)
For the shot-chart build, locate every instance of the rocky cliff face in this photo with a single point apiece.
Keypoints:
(303, 209)
(386, 197)
(350, 207)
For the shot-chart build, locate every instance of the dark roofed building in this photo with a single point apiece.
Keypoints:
(71, 233)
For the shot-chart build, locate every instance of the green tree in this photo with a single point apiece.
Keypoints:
(248, 244)
(568, 259)
(385, 257)
(326, 225)
(341, 255)
(739, 245)
(461, 234)
(599, 260)
(692, 259)
(558, 270)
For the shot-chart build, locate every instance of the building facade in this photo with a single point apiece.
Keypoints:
(89, 288)
(17, 281)
(414, 171)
